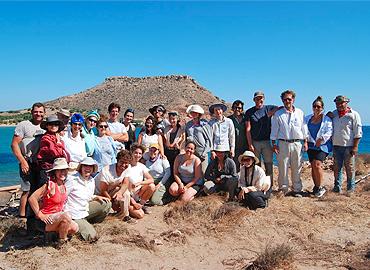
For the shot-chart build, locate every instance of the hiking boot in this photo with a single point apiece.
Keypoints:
(146, 210)
(337, 189)
(320, 192)
(315, 190)
(129, 220)
(297, 194)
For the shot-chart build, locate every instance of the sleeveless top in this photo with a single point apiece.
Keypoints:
(187, 171)
(131, 136)
(148, 140)
(53, 203)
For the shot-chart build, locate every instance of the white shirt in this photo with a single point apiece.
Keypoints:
(223, 133)
(288, 125)
(75, 147)
(80, 192)
(117, 127)
(109, 176)
(259, 177)
(135, 174)
(346, 128)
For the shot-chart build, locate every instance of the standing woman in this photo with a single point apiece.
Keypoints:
(74, 141)
(148, 135)
(253, 182)
(320, 130)
(51, 147)
(174, 135)
(188, 174)
(107, 149)
(53, 197)
(130, 127)
(89, 132)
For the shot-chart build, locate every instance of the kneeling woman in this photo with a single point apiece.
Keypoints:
(82, 204)
(253, 182)
(54, 197)
(187, 173)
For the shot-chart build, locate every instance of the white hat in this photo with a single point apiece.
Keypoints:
(88, 161)
(195, 108)
(248, 154)
(59, 164)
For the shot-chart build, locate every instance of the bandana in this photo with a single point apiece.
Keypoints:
(343, 113)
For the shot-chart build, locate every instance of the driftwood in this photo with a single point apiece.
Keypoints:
(362, 178)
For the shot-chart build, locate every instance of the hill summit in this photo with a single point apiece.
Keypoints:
(175, 92)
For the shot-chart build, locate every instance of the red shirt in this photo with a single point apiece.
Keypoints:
(54, 200)
(50, 149)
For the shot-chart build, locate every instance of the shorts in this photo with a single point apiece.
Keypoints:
(196, 187)
(316, 155)
(25, 179)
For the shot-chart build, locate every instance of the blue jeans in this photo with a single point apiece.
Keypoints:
(342, 156)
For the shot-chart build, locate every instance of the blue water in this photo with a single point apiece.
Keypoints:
(9, 174)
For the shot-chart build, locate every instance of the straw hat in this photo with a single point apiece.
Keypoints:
(88, 161)
(52, 119)
(59, 164)
(248, 154)
(195, 108)
(154, 145)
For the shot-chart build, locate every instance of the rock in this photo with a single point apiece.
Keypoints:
(156, 242)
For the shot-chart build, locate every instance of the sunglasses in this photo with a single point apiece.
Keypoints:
(53, 124)
(287, 99)
(246, 159)
(238, 108)
(92, 120)
(77, 124)
(103, 126)
(317, 106)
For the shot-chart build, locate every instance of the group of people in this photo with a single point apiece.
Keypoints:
(77, 169)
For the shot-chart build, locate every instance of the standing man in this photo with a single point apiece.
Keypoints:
(288, 127)
(347, 132)
(240, 134)
(24, 148)
(116, 130)
(258, 128)
(223, 131)
(199, 131)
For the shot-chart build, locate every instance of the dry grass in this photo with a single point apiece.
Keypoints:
(204, 214)
(277, 257)
(175, 236)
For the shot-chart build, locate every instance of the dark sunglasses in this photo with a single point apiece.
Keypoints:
(287, 99)
(238, 108)
(77, 124)
(92, 120)
(53, 124)
(103, 126)
(317, 106)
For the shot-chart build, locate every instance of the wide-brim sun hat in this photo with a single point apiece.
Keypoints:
(248, 154)
(153, 109)
(59, 164)
(220, 105)
(90, 162)
(154, 145)
(64, 112)
(52, 119)
(195, 108)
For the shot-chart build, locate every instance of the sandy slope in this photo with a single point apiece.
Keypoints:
(328, 233)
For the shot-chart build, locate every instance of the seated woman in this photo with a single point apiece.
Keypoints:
(53, 197)
(85, 207)
(108, 183)
(139, 182)
(253, 182)
(221, 175)
(106, 145)
(148, 135)
(187, 173)
(159, 169)
(89, 132)
(74, 141)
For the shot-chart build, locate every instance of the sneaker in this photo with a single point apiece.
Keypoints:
(320, 192)
(146, 210)
(336, 189)
(129, 220)
(315, 190)
(297, 194)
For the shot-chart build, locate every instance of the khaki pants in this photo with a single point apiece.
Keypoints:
(290, 155)
(263, 150)
(97, 212)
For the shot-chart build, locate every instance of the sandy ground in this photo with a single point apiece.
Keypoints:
(332, 232)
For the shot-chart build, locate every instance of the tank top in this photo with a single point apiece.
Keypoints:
(148, 140)
(131, 137)
(53, 203)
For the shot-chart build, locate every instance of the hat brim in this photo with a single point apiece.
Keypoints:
(256, 160)
(196, 110)
(44, 124)
(213, 106)
(61, 167)
(95, 167)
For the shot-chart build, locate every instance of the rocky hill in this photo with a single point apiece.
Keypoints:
(175, 92)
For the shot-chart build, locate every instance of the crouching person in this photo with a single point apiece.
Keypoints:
(53, 197)
(85, 207)
(253, 182)
(108, 183)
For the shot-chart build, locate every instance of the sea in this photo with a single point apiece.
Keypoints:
(9, 167)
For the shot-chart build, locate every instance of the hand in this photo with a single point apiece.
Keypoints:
(118, 196)
(318, 142)
(252, 189)
(232, 153)
(330, 115)
(137, 206)
(241, 195)
(45, 218)
(218, 180)
(251, 148)
(157, 186)
(101, 199)
(265, 187)
(354, 151)
(181, 188)
(213, 154)
(25, 167)
(305, 146)
(275, 149)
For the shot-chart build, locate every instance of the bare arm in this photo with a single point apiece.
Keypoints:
(140, 138)
(248, 135)
(18, 154)
(176, 171)
(148, 179)
(160, 142)
(104, 190)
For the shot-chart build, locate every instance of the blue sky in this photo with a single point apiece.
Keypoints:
(49, 50)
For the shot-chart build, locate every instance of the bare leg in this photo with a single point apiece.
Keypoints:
(188, 195)
(22, 204)
(146, 193)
